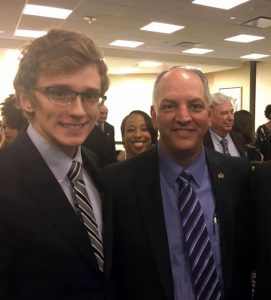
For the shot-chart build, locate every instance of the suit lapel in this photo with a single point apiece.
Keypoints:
(150, 202)
(221, 181)
(42, 187)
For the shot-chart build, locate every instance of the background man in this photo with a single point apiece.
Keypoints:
(220, 136)
(101, 140)
(180, 211)
(53, 244)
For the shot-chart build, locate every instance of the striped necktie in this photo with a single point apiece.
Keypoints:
(197, 243)
(85, 211)
(224, 143)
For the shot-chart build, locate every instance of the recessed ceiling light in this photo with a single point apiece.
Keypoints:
(149, 64)
(245, 38)
(29, 33)
(223, 4)
(124, 43)
(46, 11)
(197, 51)
(254, 56)
(161, 27)
(260, 22)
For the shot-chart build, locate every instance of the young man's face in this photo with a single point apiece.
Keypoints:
(66, 126)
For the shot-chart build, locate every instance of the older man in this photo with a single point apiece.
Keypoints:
(220, 136)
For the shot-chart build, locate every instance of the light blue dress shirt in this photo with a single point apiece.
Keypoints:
(60, 164)
(169, 172)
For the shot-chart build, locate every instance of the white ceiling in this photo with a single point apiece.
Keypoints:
(121, 19)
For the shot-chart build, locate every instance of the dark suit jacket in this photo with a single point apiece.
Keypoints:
(109, 132)
(263, 233)
(45, 251)
(100, 145)
(236, 138)
(140, 253)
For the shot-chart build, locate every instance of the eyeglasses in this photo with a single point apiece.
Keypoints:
(64, 96)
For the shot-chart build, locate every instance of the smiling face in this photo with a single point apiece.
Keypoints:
(181, 114)
(66, 126)
(136, 138)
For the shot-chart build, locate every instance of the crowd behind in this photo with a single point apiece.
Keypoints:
(183, 212)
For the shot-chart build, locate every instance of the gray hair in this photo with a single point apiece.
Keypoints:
(219, 98)
(195, 71)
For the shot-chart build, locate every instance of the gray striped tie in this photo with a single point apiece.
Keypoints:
(198, 246)
(85, 211)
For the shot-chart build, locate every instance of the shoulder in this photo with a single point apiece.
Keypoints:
(108, 125)
(232, 164)
(137, 166)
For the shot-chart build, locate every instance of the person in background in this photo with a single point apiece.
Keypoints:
(178, 188)
(55, 215)
(13, 120)
(263, 135)
(138, 134)
(244, 126)
(106, 128)
(220, 136)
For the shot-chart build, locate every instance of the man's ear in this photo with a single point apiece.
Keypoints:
(154, 117)
(25, 103)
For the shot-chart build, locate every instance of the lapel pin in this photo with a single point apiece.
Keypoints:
(220, 175)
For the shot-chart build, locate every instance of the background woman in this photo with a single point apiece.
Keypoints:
(138, 134)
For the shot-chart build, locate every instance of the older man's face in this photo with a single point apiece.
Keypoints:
(222, 118)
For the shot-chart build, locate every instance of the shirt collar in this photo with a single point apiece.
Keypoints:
(218, 138)
(57, 160)
(171, 169)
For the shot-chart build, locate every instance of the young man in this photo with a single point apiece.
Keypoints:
(55, 229)
(180, 211)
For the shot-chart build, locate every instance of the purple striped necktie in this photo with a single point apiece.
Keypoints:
(224, 143)
(197, 243)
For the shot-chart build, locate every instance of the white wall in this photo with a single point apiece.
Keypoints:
(263, 91)
(127, 93)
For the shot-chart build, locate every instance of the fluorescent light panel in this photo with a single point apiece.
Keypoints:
(124, 43)
(222, 4)
(29, 33)
(46, 11)
(162, 27)
(244, 38)
(197, 51)
(254, 56)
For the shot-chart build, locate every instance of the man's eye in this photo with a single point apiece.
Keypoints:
(91, 96)
(197, 106)
(167, 107)
(60, 93)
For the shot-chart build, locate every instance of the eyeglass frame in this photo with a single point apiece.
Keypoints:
(73, 94)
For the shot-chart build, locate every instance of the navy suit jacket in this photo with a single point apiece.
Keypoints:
(45, 252)
(141, 260)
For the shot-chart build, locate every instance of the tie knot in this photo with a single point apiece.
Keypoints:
(75, 172)
(184, 178)
(224, 142)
